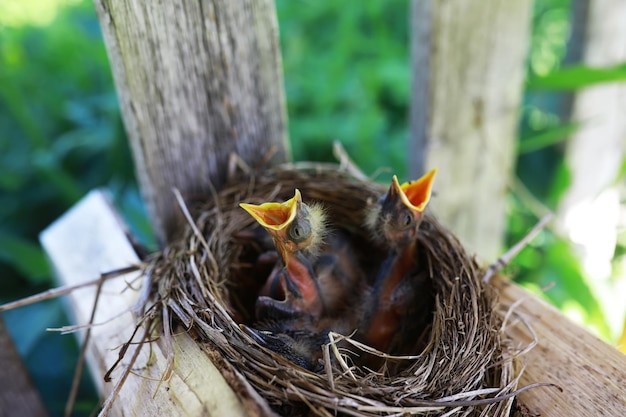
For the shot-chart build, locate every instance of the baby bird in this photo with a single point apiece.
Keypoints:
(395, 220)
(297, 230)
(302, 347)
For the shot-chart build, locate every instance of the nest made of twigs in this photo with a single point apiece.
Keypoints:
(465, 367)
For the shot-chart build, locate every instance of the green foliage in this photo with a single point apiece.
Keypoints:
(550, 267)
(577, 77)
(25, 256)
(552, 262)
(60, 129)
(547, 137)
(347, 79)
(60, 136)
(550, 32)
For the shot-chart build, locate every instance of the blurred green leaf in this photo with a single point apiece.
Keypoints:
(563, 268)
(560, 183)
(550, 32)
(546, 138)
(577, 77)
(26, 257)
(128, 201)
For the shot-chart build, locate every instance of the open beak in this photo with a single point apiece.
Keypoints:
(415, 194)
(275, 216)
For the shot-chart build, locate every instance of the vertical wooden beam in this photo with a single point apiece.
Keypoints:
(468, 71)
(589, 211)
(594, 154)
(197, 80)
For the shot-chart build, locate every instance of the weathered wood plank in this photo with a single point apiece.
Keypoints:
(468, 66)
(89, 240)
(591, 372)
(196, 81)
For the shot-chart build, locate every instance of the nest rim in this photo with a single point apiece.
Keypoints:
(479, 355)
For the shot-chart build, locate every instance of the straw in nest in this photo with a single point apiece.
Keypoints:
(465, 368)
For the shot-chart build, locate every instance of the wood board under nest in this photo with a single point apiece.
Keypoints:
(466, 367)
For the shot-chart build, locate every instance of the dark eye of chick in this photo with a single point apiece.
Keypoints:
(299, 231)
(406, 219)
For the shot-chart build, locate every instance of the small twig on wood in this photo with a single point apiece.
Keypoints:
(517, 248)
(118, 386)
(69, 406)
(529, 201)
(234, 162)
(74, 328)
(124, 348)
(192, 224)
(346, 163)
(169, 348)
(57, 292)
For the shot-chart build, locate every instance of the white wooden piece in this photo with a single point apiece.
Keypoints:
(89, 240)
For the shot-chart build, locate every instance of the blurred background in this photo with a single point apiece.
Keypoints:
(347, 78)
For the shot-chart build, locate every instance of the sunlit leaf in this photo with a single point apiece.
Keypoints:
(547, 138)
(577, 77)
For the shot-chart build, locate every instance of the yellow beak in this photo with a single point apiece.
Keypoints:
(275, 216)
(416, 194)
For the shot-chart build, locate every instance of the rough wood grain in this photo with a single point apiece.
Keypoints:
(591, 372)
(18, 396)
(468, 70)
(89, 240)
(197, 80)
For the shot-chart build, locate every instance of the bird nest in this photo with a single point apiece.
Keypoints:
(464, 366)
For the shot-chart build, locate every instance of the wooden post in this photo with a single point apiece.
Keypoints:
(468, 71)
(18, 396)
(197, 81)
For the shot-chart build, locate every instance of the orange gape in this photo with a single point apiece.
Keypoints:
(297, 231)
(395, 220)
(312, 289)
(317, 286)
